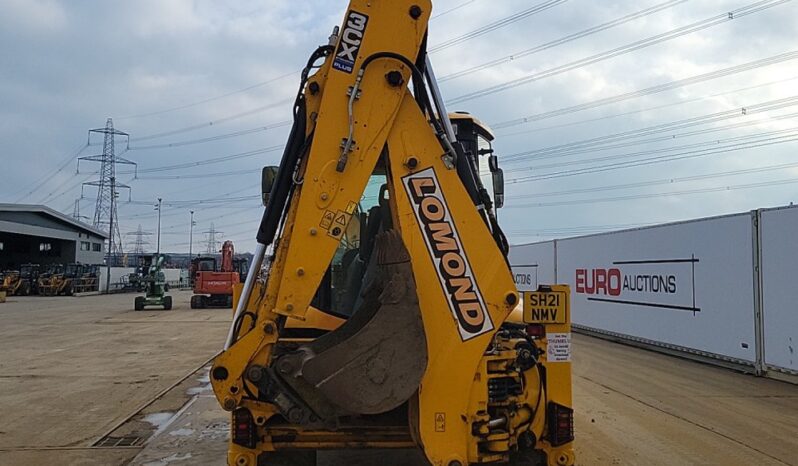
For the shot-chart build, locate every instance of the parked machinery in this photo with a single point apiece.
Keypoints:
(63, 284)
(12, 284)
(88, 280)
(44, 282)
(155, 286)
(22, 282)
(214, 287)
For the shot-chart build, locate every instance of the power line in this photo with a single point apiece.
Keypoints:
(42, 181)
(756, 64)
(204, 101)
(218, 137)
(564, 40)
(602, 142)
(212, 123)
(645, 184)
(643, 110)
(594, 200)
(671, 137)
(712, 142)
(251, 87)
(675, 33)
(446, 12)
(506, 21)
(198, 175)
(660, 159)
(210, 161)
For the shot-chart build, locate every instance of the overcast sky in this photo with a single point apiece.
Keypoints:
(717, 144)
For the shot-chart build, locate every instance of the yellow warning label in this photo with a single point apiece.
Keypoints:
(338, 225)
(350, 208)
(440, 422)
(327, 219)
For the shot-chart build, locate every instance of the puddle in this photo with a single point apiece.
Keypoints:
(182, 432)
(169, 459)
(159, 420)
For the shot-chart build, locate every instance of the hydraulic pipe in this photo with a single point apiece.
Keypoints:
(249, 284)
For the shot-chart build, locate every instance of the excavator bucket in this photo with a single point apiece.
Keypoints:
(364, 366)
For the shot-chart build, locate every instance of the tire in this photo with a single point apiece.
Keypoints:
(288, 458)
(528, 458)
(25, 289)
(193, 302)
(166, 287)
(167, 303)
(139, 303)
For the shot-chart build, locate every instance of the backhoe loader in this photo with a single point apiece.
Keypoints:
(389, 318)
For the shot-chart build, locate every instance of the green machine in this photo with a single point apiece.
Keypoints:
(154, 283)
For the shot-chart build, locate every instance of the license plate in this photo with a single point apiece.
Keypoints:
(545, 307)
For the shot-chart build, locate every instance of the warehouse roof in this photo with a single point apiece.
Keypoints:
(55, 215)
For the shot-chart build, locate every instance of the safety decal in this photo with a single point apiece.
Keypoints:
(558, 347)
(339, 223)
(327, 219)
(451, 264)
(440, 422)
(351, 39)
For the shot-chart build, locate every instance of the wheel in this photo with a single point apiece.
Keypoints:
(25, 291)
(528, 457)
(167, 303)
(139, 303)
(193, 303)
(166, 287)
(288, 458)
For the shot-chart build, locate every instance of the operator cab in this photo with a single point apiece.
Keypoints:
(339, 292)
(477, 138)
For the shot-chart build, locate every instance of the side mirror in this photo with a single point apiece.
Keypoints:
(268, 175)
(498, 187)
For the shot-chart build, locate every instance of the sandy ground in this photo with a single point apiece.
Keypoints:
(71, 369)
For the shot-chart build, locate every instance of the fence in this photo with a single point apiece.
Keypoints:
(718, 288)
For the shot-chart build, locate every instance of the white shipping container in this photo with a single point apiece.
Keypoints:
(779, 259)
(533, 264)
(686, 286)
(117, 276)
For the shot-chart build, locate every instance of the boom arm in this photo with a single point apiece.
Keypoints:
(437, 287)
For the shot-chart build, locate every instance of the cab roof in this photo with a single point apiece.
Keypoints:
(485, 132)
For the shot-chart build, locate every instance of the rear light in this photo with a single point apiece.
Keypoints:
(560, 424)
(244, 432)
(536, 330)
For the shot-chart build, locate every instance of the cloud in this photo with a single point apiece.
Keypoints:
(67, 66)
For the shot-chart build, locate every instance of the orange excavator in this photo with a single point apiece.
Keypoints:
(213, 286)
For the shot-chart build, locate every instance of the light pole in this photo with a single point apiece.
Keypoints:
(191, 237)
(110, 237)
(158, 208)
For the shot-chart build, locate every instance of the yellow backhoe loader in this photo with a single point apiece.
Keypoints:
(388, 318)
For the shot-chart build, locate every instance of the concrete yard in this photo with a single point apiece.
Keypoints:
(80, 373)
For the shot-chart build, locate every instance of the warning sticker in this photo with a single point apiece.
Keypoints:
(327, 219)
(440, 422)
(558, 347)
(338, 225)
(350, 208)
(342, 218)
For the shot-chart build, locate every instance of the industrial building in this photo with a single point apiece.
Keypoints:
(40, 235)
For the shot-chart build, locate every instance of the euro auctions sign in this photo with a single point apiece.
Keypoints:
(658, 283)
